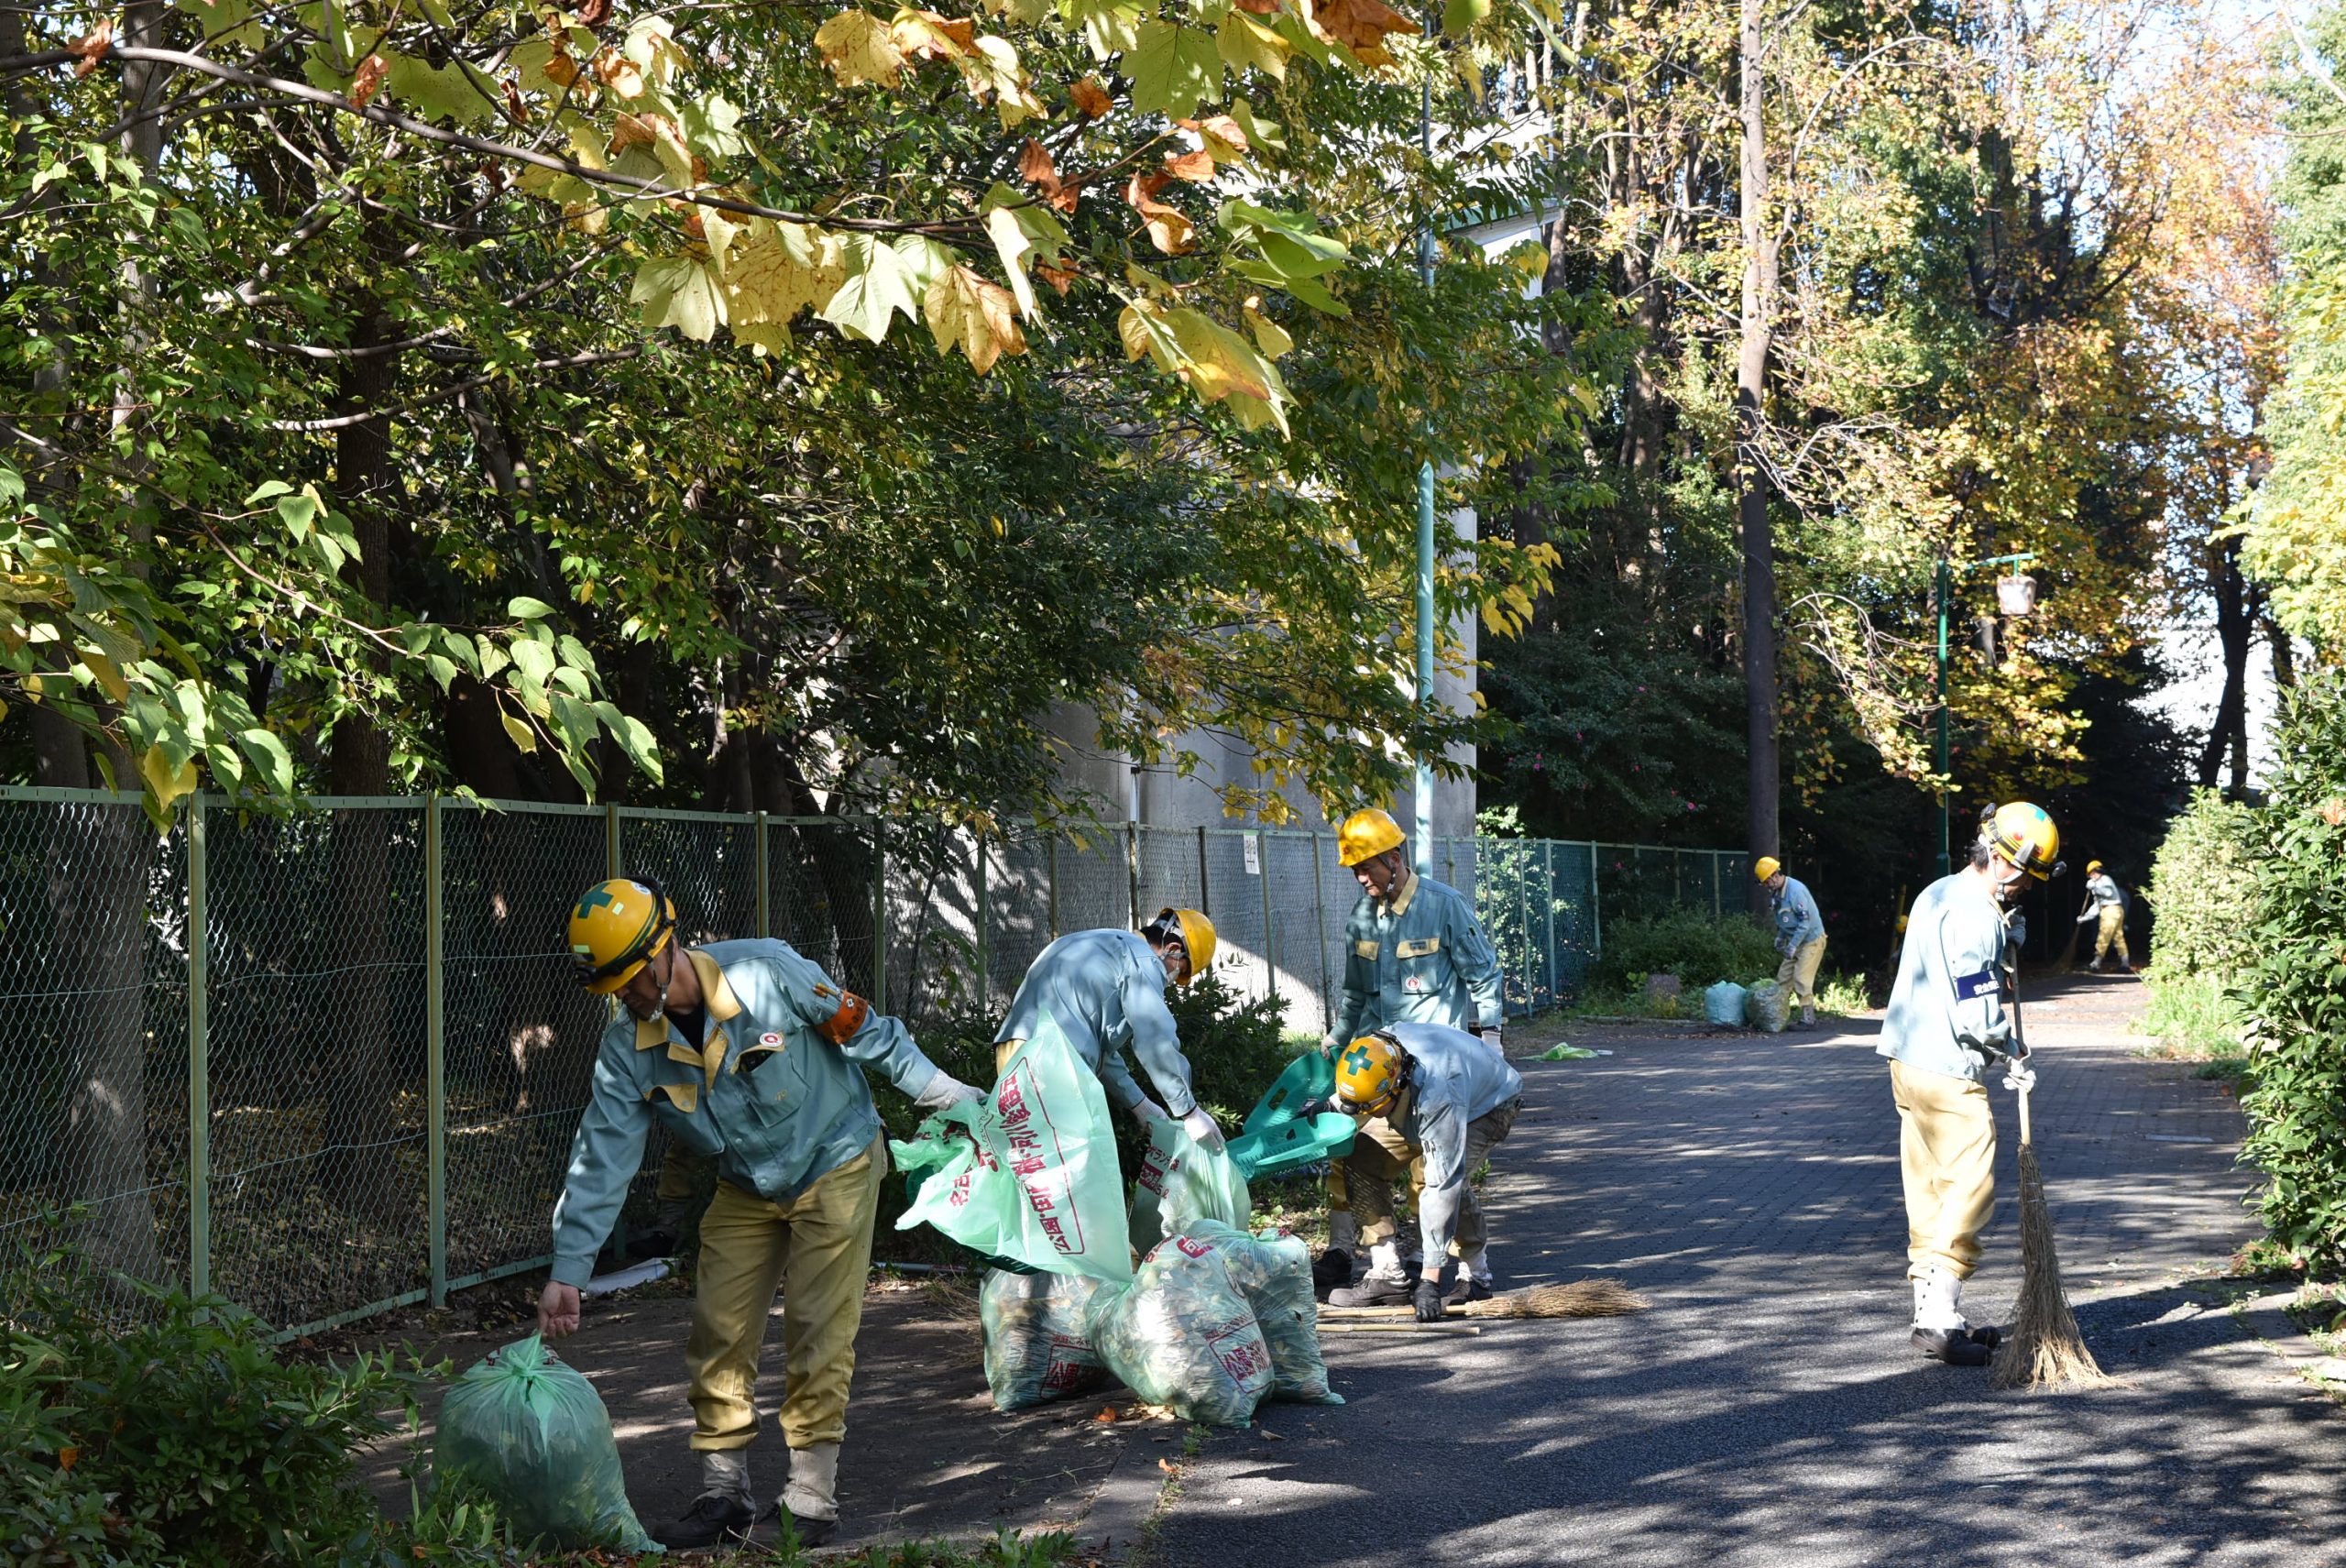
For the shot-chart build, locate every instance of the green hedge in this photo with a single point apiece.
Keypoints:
(2203, 888)
(2292, 986)
(1699, 950)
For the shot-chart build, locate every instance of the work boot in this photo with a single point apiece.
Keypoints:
(1808, 1018)
(1955, 1347)
(1467, 1288)
(812, 1497)
(1332, 1271)
(713, 1519)
(1377, 1289)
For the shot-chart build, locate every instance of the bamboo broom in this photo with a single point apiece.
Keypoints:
(1581, 1299)
(2045, 1349)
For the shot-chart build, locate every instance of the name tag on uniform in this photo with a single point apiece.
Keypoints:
(1967, 986)
(1368, 949)
(1418, 947)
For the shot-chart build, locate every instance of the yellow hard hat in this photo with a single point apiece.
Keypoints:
(2024, 836)
(1370, 1074)
(619, 927)
(1192, 930)
(2092, 866)
(1765, 867)
(1367, 835)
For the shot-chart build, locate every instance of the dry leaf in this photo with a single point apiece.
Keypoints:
(628, 131)
(367, 79)
(594, 13)
(1260, 7)
(1035, 166)
(1169, 1467)
(68, 1457)
(621, 74)
(1195, 166)
(1359, 25)
(1107, 1413)
(1059, 277)
(2333, 811)
(1092, 98)
(1168, 228)
(560, 68)
(88, 51)
(514, 108)
(858, 48)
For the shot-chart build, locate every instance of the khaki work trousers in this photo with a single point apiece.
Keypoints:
(2112, 933)
(1947, 1158)
(1380, 1154)
(1798, 970)
(818, 1247)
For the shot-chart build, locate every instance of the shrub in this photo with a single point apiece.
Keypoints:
(182, 1439)
(2292, 986)
(1699, 950)
(2191, 1014)
(2203, 888)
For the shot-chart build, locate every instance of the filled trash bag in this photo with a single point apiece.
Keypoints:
(1180, 1181)
(1038, 1338)
(1183, 1336)
(1768, 1007)
(1028, 1174)
(532, 1435)
(1724, 1003)
(1274, 1273)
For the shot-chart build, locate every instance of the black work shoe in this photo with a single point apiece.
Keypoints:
(810, 1532)
(1332, 1271)
(1375, 1291)
(1957, 1349)
(713, 1518)
(1466, 1289)
(1987, 1334)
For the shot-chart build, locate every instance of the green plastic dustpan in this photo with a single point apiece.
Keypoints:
(1276, 1139)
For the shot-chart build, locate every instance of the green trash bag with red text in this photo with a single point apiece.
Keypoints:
(531, 1435)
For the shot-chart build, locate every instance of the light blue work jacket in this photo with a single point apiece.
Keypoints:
(1454, 1079)
(1946, 1008)
(1797, 922)
(775, 1090)
(1418, 956)
(1105, 989)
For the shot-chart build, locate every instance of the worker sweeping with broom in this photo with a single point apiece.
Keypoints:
(1948, 1026)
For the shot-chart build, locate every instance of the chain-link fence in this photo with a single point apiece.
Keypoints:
(328, 1061)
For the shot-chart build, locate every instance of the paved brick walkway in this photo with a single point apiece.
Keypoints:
(1769, 1411)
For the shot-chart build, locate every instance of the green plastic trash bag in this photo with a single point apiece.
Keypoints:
(1273, 1271)
(1724, 1002)
(1028, 1174)
(1038, 1341)
(532, 1435)
(1183, 1336)
(1179, 1181)
(1768, 1007)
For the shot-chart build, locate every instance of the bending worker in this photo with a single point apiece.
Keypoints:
(1800, 933)
(1414, 953)
(2105, 904)
(1106, 991)
(1450, 1100)
(746, 1053)
(1947, 1027)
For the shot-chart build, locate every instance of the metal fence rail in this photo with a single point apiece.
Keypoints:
(329, 1061)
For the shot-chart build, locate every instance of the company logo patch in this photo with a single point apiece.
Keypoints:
(770, 1041)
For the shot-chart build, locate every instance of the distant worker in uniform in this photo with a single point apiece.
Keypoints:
(1945, 1029)
(1449, 1102)
(2106, 904)
(1414, 953)
(1105, 989)
(748, 1054)
(1800, 933)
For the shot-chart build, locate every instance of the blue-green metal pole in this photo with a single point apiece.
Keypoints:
(1945, 587)
(436, 1057)
(199, 1060)
(1424, 836)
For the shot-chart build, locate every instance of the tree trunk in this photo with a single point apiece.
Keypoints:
(2236, 629)
(1751, 501)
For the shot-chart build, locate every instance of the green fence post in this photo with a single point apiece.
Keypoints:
(1270, 940)
(765, 889)
(1548, 910)
(1131, 869)
(614, 859)
(1051, 886)
(977, 919)
(1523, 913)
(436, 1054)
(1320, 902)
(1717, 878)
(1205, 878)
(879, 915)
(1596, 903)
(199, 1063)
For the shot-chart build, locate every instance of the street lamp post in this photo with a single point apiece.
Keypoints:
(1945, 585)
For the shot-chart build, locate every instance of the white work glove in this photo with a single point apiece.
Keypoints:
(1330, 1045)
(2018, 1076)
(1146, 1111)
(2088, 917)
(945, 1092)
(1201, 1127)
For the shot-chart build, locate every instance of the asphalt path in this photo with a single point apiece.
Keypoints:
(1768, 1409)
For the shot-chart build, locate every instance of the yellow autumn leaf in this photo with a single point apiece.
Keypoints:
(164, 781)
(858, 48)
(1269, 336)
(104, 672)
(524, 738)
(778, 271)
(978, 317)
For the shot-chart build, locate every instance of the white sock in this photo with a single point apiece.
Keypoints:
(725, 1473)
(1385, 1257)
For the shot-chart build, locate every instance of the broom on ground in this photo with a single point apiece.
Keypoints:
(2044, 1349)
(1581, 1299)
